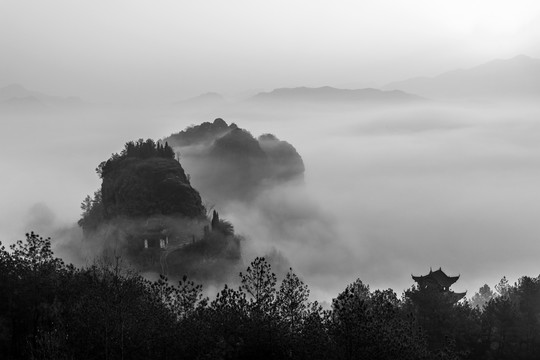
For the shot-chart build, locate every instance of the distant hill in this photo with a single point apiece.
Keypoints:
(16, 96)
(514, 78)
(203, 134)
(26, 103)
(331, 96)
(227, 163)
(208, 100)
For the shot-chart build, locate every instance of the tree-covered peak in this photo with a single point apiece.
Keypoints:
(141, 149)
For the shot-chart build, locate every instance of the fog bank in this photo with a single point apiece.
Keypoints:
(389, 191)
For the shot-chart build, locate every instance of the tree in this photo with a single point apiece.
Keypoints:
(30, 276)
(369, 325)
(511, 321)
(292, 307)
(292, 300)
(227, 323)
(215, 220)
(93, 212)
(482, 297)
(259, 283)
(503, 287)
(182, 299)
(266, 333)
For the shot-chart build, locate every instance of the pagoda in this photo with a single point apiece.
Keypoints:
(437, 280)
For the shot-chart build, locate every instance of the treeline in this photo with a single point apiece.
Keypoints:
(51, 310)
(142, 149)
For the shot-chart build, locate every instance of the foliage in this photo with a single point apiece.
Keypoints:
(482, 297)
(142, 149)
(220, 225)
(51, 310)
(450, 327)
(503, 287)
(259, 283)
(93, 213)
(369, 325)
(214, 259)
(143, 180)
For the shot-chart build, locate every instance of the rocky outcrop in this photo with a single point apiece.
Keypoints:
(145, 187)
(227, 163)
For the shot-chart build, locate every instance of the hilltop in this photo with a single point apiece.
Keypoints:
(229, 163)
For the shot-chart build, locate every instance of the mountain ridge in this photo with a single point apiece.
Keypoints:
(329, 94)
(500, 78)
(17, 96)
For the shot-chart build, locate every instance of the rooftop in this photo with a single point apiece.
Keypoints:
(438, 277)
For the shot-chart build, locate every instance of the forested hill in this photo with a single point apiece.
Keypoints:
(206, 132)
(142, 180)
(145, 180)
(227, 163)
(147, 212)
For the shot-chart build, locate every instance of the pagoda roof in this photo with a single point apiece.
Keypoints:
(459, 296)
(437, 276)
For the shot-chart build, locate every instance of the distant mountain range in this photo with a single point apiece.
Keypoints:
(210, 98)
(16, 96)
(330, 95)
(325, 97)
(514, 78)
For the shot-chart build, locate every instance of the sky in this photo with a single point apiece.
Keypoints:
(159, 51)
(395, 190)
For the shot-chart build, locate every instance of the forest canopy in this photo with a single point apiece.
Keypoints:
(52, 310)
(142, 149)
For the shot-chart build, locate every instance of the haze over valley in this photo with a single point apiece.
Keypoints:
(417, 148)
(392, 186)
(270, 180)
